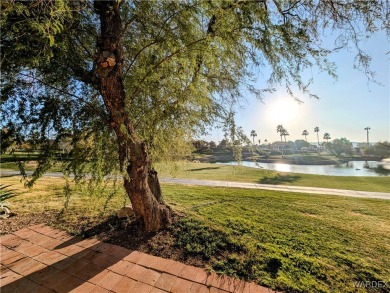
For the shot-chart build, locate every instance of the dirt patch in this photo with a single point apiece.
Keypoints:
(123, 233)
(17, 222)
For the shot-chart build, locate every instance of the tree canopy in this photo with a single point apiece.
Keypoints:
(139, 76)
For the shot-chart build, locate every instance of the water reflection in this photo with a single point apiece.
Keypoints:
(352, 168)
(283, 167)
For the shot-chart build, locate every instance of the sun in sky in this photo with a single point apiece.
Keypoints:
(282, 110)
(344, 108)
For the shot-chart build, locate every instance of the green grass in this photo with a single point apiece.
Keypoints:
(48, 196)
(292, 242)
(29, 160)
(20, 156)
(287, 241)
(247, 174)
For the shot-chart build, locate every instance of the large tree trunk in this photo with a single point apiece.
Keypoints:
(140, 180)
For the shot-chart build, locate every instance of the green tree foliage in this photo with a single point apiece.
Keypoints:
(300, 143)
(340, 146)
(380, 149)
(235, 134)
(223, 144)
(141, 77)
(9, 137)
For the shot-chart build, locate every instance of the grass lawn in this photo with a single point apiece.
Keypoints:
(288, 241)
(292, 241)
(247, 174)
(29, 165)
(21, 156)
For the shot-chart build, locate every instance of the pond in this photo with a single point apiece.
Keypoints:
(352, 168)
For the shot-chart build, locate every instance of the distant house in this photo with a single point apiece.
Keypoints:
(223, 144)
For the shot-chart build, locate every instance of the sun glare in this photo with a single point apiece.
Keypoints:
(282, 111)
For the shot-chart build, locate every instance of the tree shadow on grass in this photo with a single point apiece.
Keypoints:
(202, 169)
(279, 179)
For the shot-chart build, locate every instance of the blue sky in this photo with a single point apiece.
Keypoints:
(346, 105)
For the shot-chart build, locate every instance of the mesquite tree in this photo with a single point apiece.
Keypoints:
(137, 75)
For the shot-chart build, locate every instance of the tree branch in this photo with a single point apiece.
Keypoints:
(85, 48)
(138, 53)
(80, 99)
(166, 58)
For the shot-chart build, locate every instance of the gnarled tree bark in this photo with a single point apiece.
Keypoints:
(141, 182)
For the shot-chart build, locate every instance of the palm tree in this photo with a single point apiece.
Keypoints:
(317, 129)
(285, 133)
(253, 134)
(305, 133)
(280, 130)
(327, 136)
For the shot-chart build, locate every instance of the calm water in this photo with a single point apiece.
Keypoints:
(352, 168)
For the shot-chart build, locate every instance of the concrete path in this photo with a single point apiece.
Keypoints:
(286, 188)
(43, 259)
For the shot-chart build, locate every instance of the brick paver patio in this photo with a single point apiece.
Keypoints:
(42, 259)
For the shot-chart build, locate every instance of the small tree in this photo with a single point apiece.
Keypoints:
(341, 146)
(300, 143)
(8, 138)
(380, 149)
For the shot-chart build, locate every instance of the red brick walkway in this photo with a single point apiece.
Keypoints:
(42, 259)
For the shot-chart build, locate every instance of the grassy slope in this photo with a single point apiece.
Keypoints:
(321, 243)
(246, 174)
(293, 242)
